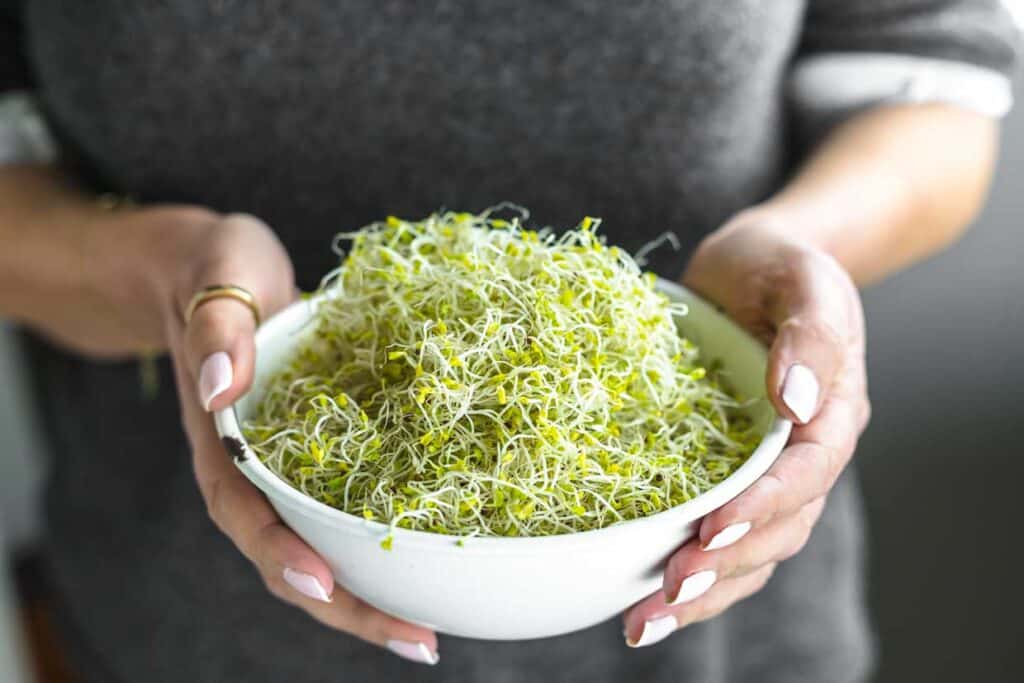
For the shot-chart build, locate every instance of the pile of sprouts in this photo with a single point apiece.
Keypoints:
(469, 376)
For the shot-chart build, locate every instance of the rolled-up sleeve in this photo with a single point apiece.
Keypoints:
(857, 54)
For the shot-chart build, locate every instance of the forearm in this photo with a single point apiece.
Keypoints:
(79, 273)
(889, 187)
(42, 259)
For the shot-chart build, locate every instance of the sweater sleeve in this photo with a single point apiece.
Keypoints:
(14, 74)
(853, 55)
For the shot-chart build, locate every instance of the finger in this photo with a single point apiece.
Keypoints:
(241, 511)
(293, 572)
(352, 615)
(285, 564)
(652, 620)
(221, 352)
(219, 346)
(817, 327)
(804, 471)
(691, 571)
(290, 569)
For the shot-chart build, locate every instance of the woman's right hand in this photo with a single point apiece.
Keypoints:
(183, 250)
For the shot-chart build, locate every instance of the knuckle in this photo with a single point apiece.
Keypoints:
(276, 586)
(194, 214)
(364, 621)
(242, 218)
(834, 460)
(801, 535)
(808, 514)
(207, 329)
(818, 328)
(798, 543)
(204, 324)
(677, 564)
(820, 464)
(219, 497)
(765, 576)
(216, 257)
(258, 543)
(695, 612)
(787, 268)
(786, 553)
(774, 485)
(757, 580)
(768, 496)
(738, 569)
(827, 332)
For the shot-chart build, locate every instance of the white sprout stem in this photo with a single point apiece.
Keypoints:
(472, 377)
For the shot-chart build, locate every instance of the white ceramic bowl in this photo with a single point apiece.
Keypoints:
(508, 588)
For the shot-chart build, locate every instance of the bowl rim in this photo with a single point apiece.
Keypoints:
(281, 492)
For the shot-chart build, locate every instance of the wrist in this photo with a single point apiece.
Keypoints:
(781, 222)
(95, 280)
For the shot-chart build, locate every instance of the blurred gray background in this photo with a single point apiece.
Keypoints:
(939, 464)
(942, 458)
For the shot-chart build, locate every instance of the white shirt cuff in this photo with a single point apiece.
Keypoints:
(842, 80)
(24, 134)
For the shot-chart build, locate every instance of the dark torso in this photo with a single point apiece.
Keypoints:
(323, 116)
(320, 117)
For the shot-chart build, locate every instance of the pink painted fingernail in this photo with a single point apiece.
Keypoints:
(654, 631)
(728, 536)
(694, 586)
(306, 584)
(215, 375)
(800, 392)
(417, 652)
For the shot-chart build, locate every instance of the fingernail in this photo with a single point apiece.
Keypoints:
(306, 584)
(215, 376)
(654, 631)
(728, 536)
(694, 586)
(800, 392)
(417, 652)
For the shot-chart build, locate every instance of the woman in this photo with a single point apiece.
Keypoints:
(798, 149)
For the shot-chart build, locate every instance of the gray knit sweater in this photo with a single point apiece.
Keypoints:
(320, 116)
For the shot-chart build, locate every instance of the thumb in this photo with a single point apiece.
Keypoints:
(219, 339)
(815, 330)
(220, 351)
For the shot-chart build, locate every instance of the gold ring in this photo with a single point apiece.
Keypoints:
(222, 291)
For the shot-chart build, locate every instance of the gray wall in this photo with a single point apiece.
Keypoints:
(942, 459)
(21, 470)
(12, 661)
(939, 464)
(21, 458)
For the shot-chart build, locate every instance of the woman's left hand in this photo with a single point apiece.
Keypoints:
(801, 302)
